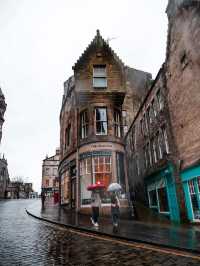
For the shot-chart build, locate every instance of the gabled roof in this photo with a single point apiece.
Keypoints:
(97, 43)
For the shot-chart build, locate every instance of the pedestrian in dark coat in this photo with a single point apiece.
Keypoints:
(43, 198)
(115, 211)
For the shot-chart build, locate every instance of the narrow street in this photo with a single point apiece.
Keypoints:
(27, 241)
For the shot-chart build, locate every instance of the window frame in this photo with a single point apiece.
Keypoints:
(101, 121)
(97, 76)
(84, 124)
(117, 123)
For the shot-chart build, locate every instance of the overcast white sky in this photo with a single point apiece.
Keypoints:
(40, 40)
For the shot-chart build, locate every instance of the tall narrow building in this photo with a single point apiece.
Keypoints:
(98, 103)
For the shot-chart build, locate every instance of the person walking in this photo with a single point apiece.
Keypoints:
(43, 198)
(115, 212)
(95, 205)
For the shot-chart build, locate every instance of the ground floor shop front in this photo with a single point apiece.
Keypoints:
(191, 185)
(93, 163)
(161, 194)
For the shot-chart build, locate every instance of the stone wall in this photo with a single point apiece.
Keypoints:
(183, 79)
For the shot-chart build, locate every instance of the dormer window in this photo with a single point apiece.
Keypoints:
(99, 76)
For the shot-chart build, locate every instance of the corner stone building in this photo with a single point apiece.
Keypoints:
(99, 102)
(163, 142)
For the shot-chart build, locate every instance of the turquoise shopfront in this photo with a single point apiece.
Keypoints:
(161, 192)
(191, 185)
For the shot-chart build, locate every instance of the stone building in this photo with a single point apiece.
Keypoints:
(50, 181)
(163, 142)
(4, 177)
(2, 111)
(17, 189)
(98, 103)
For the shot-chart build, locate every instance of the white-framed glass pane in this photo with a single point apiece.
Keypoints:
(99, 71)
(99, 82)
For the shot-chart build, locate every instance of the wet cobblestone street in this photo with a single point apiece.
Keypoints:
(27, 241)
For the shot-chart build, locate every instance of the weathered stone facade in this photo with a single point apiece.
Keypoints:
(163, 161)
(91, 122)
(50, 180)
(2, 111)
(4, 177)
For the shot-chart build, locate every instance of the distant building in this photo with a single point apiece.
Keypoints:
(4, 177)
(2, 111)
(50, 180)
(19, 190)
(163, 142)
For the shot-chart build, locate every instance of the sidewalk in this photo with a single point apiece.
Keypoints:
(185, 238)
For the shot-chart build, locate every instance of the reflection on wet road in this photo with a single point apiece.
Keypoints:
(26, 241)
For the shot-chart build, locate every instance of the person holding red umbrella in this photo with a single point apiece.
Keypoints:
(95, 202)
(95, 205)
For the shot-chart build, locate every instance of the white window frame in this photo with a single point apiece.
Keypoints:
(84, 124)
(101, 75)
(101, 121)
(117, 123)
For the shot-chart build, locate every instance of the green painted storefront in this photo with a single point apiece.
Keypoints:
(161, 192)
(191, 185)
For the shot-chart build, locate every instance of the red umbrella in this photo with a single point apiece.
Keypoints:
(98, 185)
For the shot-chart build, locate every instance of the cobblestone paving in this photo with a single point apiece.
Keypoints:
(26, 241)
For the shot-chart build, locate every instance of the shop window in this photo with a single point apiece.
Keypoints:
(102, 169)
(198, 182)
(195, 197)
(163, 201)
(99, 76)
(101, 121)
(84, 124)
(85, 180)
(117, 123)
(152, 198)
(120, 171)
(157, 194)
